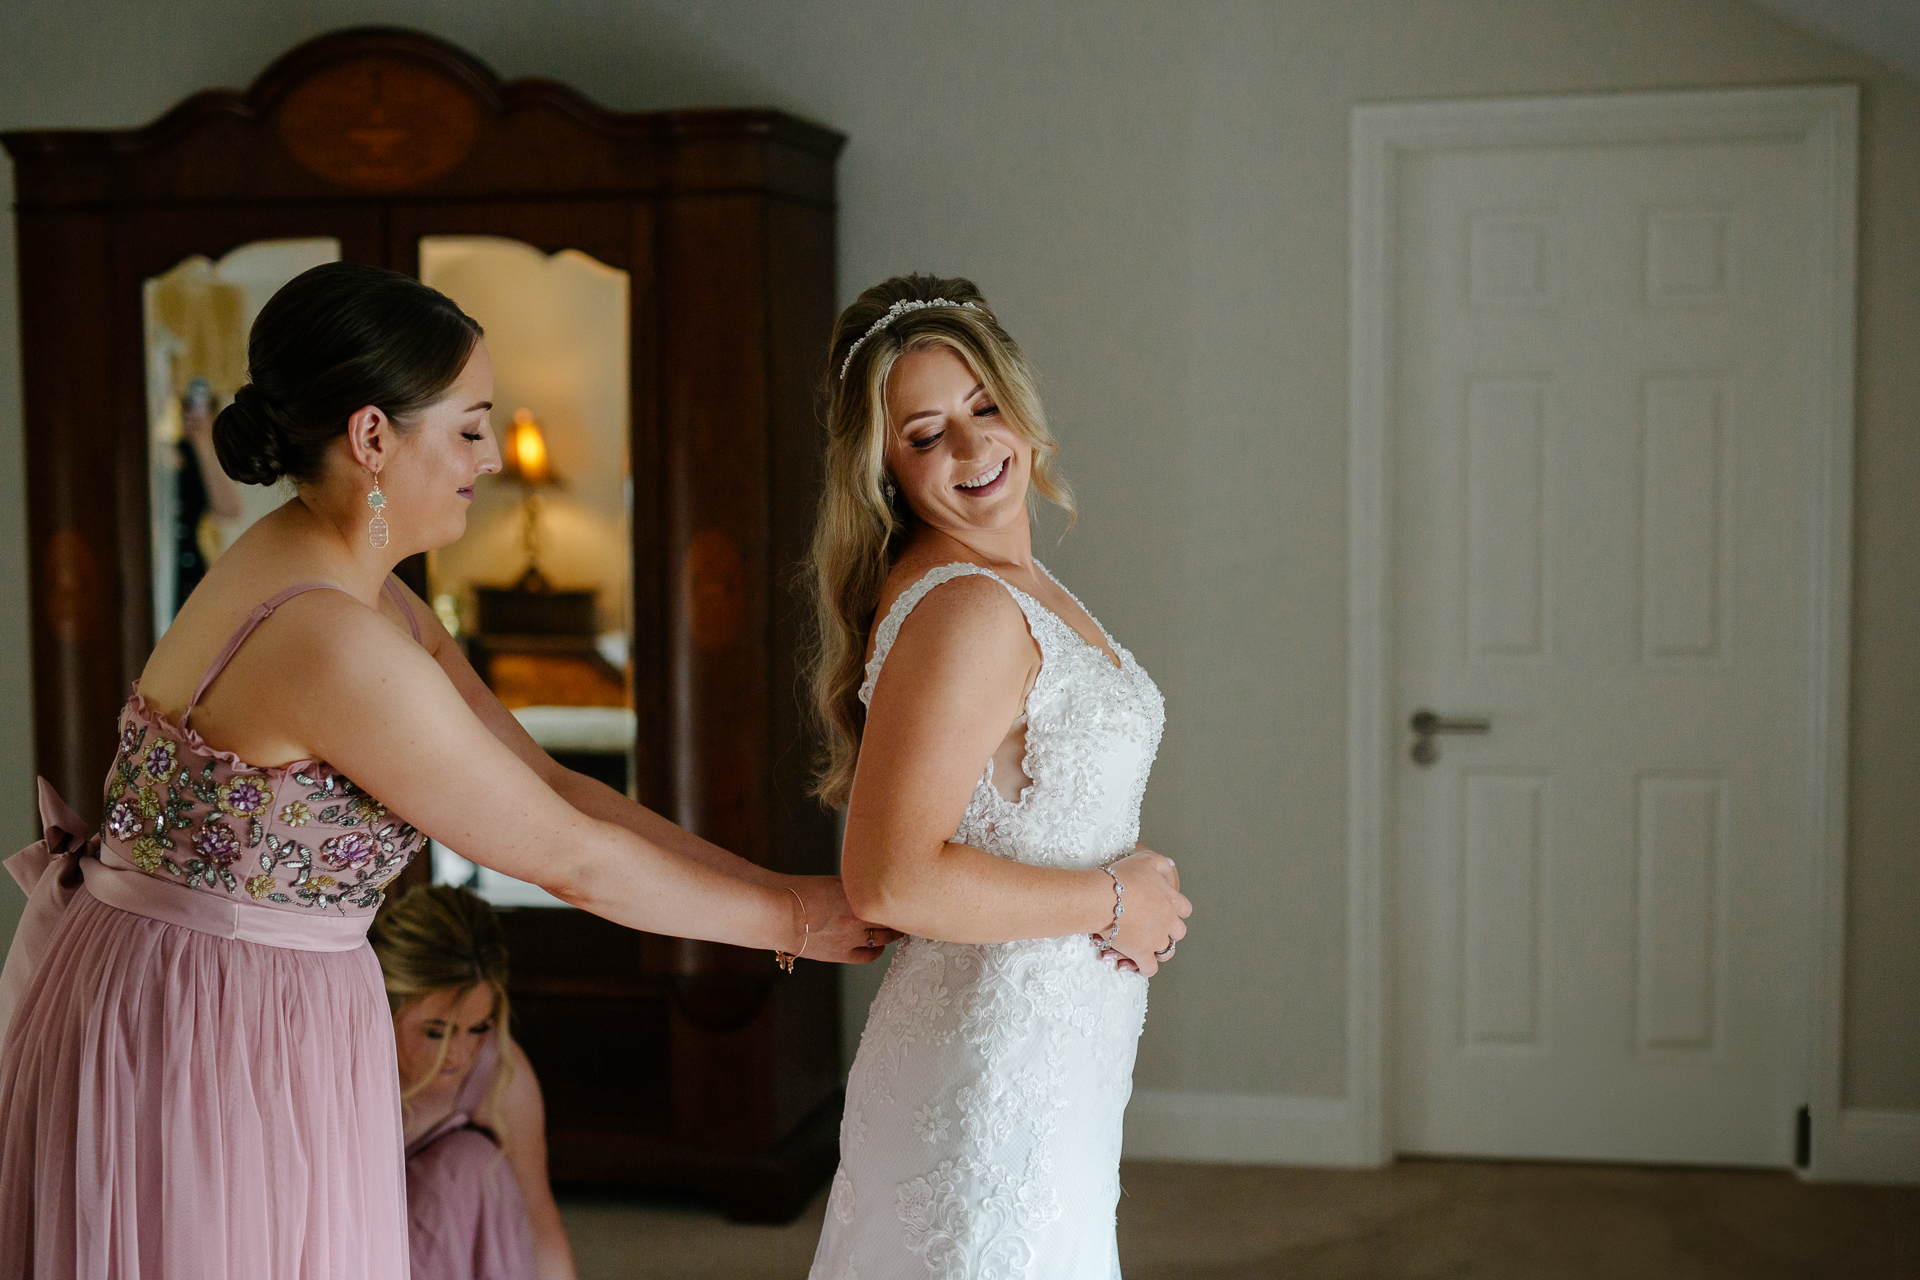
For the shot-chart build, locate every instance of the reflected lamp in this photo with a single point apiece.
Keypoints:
(523, 456)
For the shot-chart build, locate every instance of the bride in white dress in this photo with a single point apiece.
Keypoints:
(991, 743)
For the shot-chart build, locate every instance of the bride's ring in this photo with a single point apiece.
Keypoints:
(1168, 953)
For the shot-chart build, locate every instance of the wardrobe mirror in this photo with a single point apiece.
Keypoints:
(197, 316)
(540, 589)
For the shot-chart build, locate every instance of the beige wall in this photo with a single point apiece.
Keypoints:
(1155, 196)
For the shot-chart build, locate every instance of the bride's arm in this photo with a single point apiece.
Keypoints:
(952, 684)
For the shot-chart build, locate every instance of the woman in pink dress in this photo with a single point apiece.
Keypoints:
(198, 1076)
(479, 1206)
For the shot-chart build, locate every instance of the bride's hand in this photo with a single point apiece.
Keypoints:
(832, 931)
(1156, 911)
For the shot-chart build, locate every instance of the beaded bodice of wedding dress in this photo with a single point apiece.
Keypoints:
(981, 1137)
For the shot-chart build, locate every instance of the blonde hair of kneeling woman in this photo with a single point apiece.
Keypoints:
(478, 1199)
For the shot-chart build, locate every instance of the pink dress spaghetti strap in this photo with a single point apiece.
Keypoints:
(198, 1077)
(465, 1216)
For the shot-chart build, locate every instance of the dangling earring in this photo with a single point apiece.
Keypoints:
(377, 527)
(886, 487)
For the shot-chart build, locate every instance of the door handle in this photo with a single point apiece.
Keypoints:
(1425, 724)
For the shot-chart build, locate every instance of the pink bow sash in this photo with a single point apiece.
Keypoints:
(59, 851)
(53, 869)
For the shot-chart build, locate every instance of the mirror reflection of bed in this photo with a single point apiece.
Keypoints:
(539, 590)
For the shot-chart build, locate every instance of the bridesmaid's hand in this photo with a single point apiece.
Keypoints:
(833, 932)
(1156, 911)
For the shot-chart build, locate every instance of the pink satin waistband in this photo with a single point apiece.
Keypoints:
(116, 882)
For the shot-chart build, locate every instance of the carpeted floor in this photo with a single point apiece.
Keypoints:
(1417, 1220)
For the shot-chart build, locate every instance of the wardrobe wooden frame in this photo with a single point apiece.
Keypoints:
(725, 222)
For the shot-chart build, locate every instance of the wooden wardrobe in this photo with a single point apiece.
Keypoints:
(665, 1063)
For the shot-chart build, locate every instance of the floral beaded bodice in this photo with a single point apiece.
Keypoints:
(298, 837)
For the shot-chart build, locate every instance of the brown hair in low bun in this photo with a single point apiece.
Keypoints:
(332, 341)
(250, 443)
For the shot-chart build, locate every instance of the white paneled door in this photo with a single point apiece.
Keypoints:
(1601, 904)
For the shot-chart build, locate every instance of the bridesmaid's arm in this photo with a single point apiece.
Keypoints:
(589, 795)
(523, 1116)
(374, 705)
(593, 799)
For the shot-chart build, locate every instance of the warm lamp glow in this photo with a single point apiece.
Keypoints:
(525, 454)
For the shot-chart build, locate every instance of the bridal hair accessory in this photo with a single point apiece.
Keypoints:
(1119, 908)
(894, 312)
(785, 959)
(377, 527)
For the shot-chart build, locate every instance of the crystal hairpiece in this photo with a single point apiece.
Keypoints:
(894, 312)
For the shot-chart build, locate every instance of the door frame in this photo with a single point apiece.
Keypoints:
(1824, 121)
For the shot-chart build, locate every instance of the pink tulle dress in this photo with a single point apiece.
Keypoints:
(464, 1210)
(198, 1080)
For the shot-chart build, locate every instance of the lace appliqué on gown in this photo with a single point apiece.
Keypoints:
(982, 1132)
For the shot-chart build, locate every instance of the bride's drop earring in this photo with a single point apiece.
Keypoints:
(886, 487)
(377, 527)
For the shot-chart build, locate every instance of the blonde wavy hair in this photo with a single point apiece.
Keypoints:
(860, 532)
(442, 938)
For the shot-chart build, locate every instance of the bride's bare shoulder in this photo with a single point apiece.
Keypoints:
(963, 609)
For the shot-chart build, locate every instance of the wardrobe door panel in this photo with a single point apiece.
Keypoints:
(619, 235)
(79, 487)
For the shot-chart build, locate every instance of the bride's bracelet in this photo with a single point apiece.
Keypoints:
(1119, 907)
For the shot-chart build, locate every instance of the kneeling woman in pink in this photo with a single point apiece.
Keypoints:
(479, 1206)
(198, 1075)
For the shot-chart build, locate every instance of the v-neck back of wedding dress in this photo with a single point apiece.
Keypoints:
(982, 1131)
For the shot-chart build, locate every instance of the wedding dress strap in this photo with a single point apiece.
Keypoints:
(889, 629)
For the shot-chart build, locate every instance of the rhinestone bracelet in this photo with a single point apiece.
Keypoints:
(1119, 907)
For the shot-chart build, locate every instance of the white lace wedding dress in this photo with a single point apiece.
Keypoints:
(982, 1132)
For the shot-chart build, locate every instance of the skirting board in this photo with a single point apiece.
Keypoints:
(1869, 1146)
(1241, 1128)
(1254, 1128)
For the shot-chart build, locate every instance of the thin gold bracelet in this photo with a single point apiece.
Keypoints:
(785, 959)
